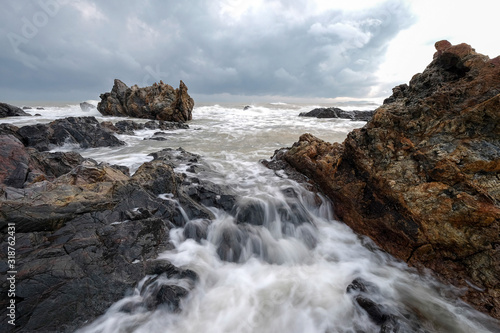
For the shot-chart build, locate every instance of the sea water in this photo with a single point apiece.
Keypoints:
(289, 277)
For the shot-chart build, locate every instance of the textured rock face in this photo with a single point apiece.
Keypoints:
(159, 101)
(7, 110)
(87, 232)
(85, 132)
(422, 177)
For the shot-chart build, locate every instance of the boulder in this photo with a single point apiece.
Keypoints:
(338, 113)
(20, 166)
(85, 132)
(86, 107)
(7, 110)
(421, 177)
(159, 101)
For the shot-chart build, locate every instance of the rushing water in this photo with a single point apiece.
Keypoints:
(294, 267)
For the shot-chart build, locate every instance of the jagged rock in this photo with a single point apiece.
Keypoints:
(20, 166)
(338, 113)
(85, 232)
(421, 177)
(128, 126)
(7, 110)
(86, 107)
(86, 132)
(159, 101)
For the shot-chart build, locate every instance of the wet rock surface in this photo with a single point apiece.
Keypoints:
(7, 110)
(85, 132)
(129, 127)
(338, 113)
(421, 177)
(159, 101)
(87, 232)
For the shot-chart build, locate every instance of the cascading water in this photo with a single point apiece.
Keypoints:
(278, 261)
(281, 263)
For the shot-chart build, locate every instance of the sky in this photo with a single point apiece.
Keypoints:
(231, 50)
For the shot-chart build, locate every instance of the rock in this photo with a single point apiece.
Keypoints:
(421, 177)
(86, 107)
(156, 138)
(14, 161)
(108, 125)
(167, 125)
(128, 127)
(20, 166)
(7, 110)
(86, 237)
(86, 132)
(338, 113)
(40, 108)
(27, 108)
(159, 101)
(247, 107)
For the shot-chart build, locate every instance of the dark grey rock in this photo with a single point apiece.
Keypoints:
(7, 110)
(85, 132)
(338, 113)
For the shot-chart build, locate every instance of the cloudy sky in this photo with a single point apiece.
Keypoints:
(231, 50)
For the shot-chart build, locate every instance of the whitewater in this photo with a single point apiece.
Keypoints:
(295, 264)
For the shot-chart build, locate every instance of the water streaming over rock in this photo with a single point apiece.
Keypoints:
(278, 260)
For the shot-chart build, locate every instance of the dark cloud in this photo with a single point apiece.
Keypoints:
(60, 49)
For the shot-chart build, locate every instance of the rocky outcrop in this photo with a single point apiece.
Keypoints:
(159, 101)
(338, 113)
(22, 166)
(85, 132)
(87, 232)
(7, 110)
(421, 178)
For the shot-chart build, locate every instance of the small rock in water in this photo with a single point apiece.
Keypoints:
(86, 107)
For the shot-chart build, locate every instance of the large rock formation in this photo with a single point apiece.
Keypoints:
(7, 110)
(422, 177)
(159, 101)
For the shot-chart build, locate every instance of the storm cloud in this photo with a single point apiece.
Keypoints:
(71, 50)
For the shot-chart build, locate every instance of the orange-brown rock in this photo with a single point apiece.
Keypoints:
(159, 101)
(422, 177)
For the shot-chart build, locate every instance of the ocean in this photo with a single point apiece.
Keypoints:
(298, 282)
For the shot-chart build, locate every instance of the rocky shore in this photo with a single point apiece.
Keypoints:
(421, 178)
(87, 232)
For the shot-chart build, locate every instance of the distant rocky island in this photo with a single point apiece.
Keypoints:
(421, 178)
(338, 113)
(159, 101)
